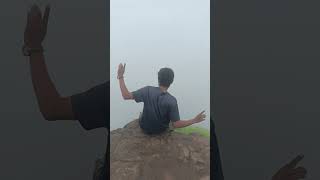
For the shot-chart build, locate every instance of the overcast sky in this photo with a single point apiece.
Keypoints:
(150, 34)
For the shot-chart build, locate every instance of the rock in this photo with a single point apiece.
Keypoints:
(169, 156)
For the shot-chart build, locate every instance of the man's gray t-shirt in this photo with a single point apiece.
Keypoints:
(159, 109)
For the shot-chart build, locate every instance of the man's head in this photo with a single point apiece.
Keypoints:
(165, 77)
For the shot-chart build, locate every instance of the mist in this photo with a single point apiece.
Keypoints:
(148, 35)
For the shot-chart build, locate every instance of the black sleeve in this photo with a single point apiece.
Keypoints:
(139, 95)
(174, 112)
(91, 108)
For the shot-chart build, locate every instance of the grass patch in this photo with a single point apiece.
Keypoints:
(194, 129)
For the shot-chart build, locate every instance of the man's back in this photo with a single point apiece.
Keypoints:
(159, 109)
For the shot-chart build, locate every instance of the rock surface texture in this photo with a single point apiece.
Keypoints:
(169, 156)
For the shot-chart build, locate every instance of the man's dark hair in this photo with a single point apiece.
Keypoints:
(165, 77)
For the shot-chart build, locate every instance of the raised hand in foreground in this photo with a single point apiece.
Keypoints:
(290, 171)
(36, 27)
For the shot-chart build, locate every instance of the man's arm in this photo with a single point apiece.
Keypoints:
(184, 123)
(124, 91)
(51, 104)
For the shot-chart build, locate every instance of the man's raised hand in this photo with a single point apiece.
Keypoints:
(121, 70)
(200, 117)
(36, 27)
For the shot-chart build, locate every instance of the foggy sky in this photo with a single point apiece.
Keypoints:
(148, 35)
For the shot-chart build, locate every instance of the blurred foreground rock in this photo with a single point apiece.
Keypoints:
(169, 156)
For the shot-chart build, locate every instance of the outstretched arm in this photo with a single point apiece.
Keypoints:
(124, 91)
(184, 123)
(51, 104)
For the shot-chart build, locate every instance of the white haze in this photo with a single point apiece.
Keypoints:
(150, 34)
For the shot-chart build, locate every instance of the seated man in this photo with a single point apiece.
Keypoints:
(160, 107)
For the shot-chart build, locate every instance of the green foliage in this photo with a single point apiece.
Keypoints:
(194, 129)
